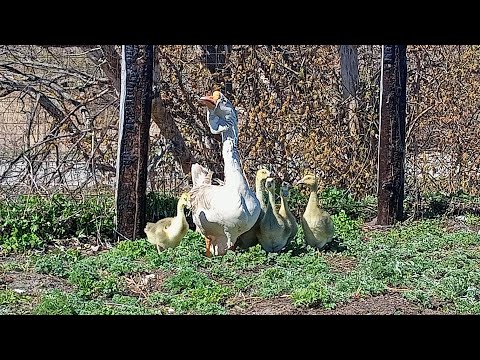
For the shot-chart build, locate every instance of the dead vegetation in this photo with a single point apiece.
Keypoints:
(59, 115)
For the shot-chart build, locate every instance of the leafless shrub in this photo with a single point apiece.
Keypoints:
(59, 116)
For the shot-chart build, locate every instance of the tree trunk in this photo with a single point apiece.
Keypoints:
(134, 127)
(349, 75)
(391, 149)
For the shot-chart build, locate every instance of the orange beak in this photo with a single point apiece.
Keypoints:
(209, 101)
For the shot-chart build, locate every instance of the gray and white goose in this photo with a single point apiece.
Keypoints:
(222, 212)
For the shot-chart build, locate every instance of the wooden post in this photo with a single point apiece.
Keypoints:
(134, 126)
(391, 148)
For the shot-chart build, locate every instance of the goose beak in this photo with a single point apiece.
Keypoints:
(208, 101)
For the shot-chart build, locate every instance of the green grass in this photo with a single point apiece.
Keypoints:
(472, 219)
(8, 296)
(421, 260)
(13, 303)
(33, 221)
(430, 262)
(431, 265)
(58, 303)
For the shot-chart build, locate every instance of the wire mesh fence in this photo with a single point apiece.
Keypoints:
(59, 116)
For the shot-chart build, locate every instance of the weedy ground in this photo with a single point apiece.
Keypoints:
(428, 266)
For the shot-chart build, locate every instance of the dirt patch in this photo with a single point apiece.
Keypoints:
(30, 283)
(387, 304)
(143, 284)
(258, 306)
(19, 259)
(341, 264)
(87, 245)
(460, 223)
(457, 224)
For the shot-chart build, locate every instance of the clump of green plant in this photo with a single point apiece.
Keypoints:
(126, 257)
(17, 243)
(313, 294)
(12, 302)
(91, 281)
(437, 203)
(57, 303)
(297, 200)
(205, 300)
(133, 249)
(190, 291)
(58, 263)
(346, 228)
(8, 296)
(31, 221)
(472, 219)
(189, 254)
(335, 200)
(160, 205)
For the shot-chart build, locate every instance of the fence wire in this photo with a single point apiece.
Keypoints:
(59, 116)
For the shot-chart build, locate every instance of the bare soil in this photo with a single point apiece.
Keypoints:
(388, 304)
(31, 283)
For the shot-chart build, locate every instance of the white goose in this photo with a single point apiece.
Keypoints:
(223, 212)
